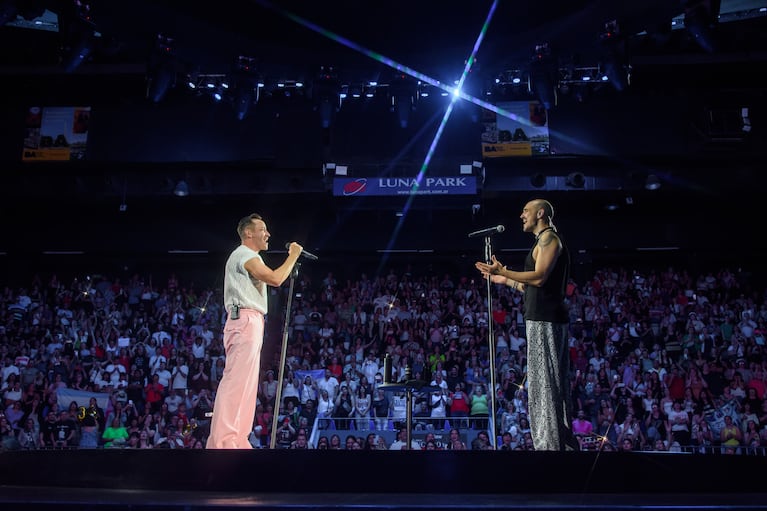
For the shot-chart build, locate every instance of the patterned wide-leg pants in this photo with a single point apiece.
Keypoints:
(548, 385)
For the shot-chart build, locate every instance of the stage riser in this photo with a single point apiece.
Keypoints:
(115, 500)
(416, 472)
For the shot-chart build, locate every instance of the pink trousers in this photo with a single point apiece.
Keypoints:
(234, 409)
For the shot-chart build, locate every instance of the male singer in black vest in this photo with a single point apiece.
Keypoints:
(543, 282)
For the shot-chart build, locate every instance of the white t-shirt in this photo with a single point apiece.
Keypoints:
(173, 401)
(682, 424)
(331, 385)
(397, 445)
(198, 350)
(299, 321)
(515, 343)
(239, 286)
(180, 377)
(160, 336)
(399, 406)
(438, 402)
(165, 376)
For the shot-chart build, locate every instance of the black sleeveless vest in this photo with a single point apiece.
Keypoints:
(547, 303)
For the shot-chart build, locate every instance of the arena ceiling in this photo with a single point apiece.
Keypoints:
(713, 51)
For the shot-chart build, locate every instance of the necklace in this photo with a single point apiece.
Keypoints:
(538, 236)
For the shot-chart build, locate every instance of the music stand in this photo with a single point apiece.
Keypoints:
(409, 386)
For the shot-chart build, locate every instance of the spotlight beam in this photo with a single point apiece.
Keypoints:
(398, 66)
(412, 72)
(437, 136)
(469, 62)
(441, 128)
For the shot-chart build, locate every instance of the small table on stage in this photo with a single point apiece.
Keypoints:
(409, 386)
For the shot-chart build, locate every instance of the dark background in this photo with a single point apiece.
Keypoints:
(679, 119)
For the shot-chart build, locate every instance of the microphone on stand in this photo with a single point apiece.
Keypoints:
(487, 232)
(304, 253)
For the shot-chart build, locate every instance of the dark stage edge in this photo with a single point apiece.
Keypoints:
(396, 480)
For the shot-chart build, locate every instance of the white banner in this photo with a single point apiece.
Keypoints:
(82, 398)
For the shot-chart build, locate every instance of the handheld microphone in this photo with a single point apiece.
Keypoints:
(487, 232)
(304, 253)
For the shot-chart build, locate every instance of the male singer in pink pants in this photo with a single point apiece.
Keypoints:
(245, 298)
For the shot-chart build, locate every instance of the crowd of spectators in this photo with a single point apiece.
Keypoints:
(662, 360)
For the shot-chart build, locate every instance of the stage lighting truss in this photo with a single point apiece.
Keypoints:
(584, 75)
(288, 88)
(30, 14)
(397, 90)
(511, 84)
(514, 77)
(427, 90)
(350, 91)
(361, 90)
(214, 85)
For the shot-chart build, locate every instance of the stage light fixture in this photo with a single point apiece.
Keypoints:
(511, 84)
(543, 72)
(745, 119)
(326, 89)
(244, 85)
(79, 34)
(652, 182)
(617, 68)
(701, 22)
(244, 97)
(355, 90)
(161, 69)
(575, 180)
(538, 180)
(10, 10)
(181, 189)
(403, 94)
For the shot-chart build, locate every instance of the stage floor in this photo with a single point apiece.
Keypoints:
(396, 480)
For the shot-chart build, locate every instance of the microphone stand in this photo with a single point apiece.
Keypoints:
(491, 345)
(283, 357)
